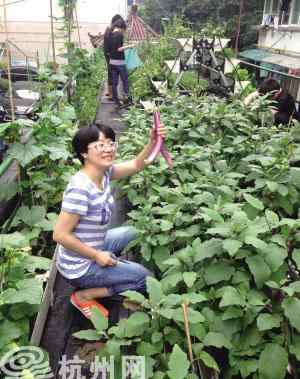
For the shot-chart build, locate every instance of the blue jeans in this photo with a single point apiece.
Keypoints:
(126, 275)
(117, 71)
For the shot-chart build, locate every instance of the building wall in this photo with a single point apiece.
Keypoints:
(29, 24)
(284, 40)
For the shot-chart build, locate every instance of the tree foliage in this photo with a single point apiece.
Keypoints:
(199, 12)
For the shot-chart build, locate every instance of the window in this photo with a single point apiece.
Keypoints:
(275, 6)
(296, 13)
(268, 7)
(282, 12)
(271, 11)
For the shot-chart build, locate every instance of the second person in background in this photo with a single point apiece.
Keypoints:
(106, 47)
(117, 60)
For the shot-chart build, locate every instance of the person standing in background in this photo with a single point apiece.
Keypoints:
(106, 46)
(117, 60)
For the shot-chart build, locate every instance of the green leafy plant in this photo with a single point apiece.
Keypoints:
(219, 232)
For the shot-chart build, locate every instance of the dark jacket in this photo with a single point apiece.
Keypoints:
(116, 41)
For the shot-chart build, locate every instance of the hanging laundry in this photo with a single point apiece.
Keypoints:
(285, 5)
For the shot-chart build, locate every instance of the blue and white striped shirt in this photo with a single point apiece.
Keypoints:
(95, 207)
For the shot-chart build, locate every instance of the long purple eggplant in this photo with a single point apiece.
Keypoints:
(159, 147)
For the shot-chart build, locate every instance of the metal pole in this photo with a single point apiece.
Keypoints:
(78, 31)
(9, 64)
(52, 34)
(270, 70)
(238, 29)
(37, 59)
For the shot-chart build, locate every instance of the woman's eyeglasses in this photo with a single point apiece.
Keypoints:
(101, 147)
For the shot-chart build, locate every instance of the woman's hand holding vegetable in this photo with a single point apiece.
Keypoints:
(161, 131)
(157, 136)
(154, 146)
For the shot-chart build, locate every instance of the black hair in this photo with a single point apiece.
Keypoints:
(268, 85)
(108, 30)
(116, 18)
(120, 24)
(90, 134)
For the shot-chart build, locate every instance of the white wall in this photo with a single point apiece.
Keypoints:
(100, 11)
(32, 10)
(29, 23)
(288, 41)
(94, 11)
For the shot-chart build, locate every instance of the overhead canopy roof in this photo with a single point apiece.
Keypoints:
(138, 30)
(261, 55)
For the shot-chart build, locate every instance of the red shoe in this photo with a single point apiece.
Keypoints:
(85, 307)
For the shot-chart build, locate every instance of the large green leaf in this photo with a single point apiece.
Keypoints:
(231, 296)
(89, 335)
(295, 176)
(194, 298)
(275, 257)
(134, 296)
(160, 255)
(208, 249)
(217, 272)
(248, 367)
(165, 225)
(272, 219)
(266, 321)
(9, 331)
(232, 246)
(155, 291)
(194, 317)
(295, 347)
(28, 291)
(291, 308)
(99, 321)
(13, 240)
(259, 269)
(25, 154)
(32, 263)
(9, 190)
(254, 201)
(273, 362)
(147, 349)
(208, 360)
(223, 230)
(57, 152)
(136, 324)
(178, 364)
(189, 278)
(217, 340)
(31, 216)
(232, 313)
(256, 242)
(210, 214)
(296, 257)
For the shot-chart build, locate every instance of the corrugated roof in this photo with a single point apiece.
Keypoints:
(138, 30)
(261, 55)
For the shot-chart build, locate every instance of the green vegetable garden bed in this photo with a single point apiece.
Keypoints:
(45, 164)
(220, 232)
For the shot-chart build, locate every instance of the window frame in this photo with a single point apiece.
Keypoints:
(272, 12)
